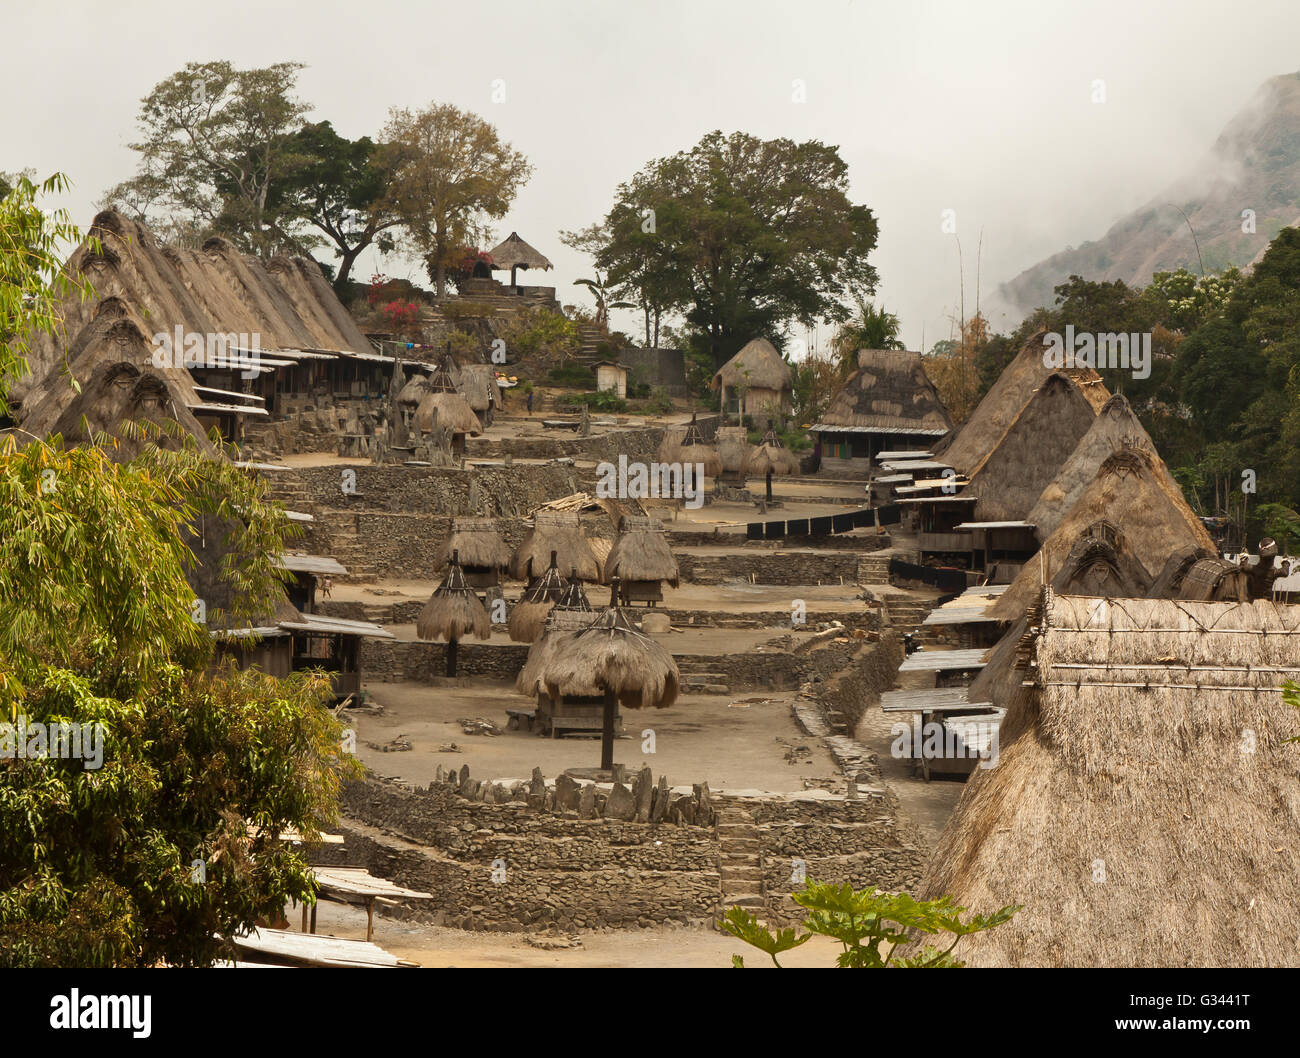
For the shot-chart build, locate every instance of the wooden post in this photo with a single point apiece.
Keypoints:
(370, 917)
(607, 732)
(769, 486)
(451, 657)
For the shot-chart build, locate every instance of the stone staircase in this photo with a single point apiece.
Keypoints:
(740, 863)
(873, 568)
(590, 336)
(698, 679)
(904, 614)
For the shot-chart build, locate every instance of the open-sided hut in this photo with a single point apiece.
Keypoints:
(1115, 427)
(1127, 813)
(965, 449)
(483, 553)
(528, 618)
(888, 404)
(559, 532)
(770, 458)
(611, 661)
(640, 561)
(514, 254)
(756, 382)
(1131, 491)
(452, 613)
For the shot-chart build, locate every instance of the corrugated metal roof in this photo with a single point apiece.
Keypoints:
(919, 431)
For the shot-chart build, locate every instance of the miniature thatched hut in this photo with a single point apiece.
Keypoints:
(559, 532)
(756, 382)
(1131, 491)
(528, 617)
(483, 553)
(772, 457)
(477, 383)
(608, 660)
(514, 254)
(1102, 563)
(1212, 579)
(1011, 477)
(888, 404)
(452, 612)
(686, 446)
(1128, 813)
(1017, 384)
(1115, 427)
(451, 410)
(640, 561)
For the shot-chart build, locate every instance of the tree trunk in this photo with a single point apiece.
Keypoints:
(451, 657)
(646, 306)
(348, 259)
(607, 732)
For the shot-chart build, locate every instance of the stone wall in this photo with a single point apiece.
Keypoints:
(771, 567)
(665, 368)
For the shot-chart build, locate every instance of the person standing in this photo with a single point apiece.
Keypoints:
(530, 402)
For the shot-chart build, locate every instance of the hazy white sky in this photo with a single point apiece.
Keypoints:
(984, 108)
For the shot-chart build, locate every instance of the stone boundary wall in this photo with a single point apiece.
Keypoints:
(771, 567)
(636, 443)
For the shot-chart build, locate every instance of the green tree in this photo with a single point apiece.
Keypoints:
(862, 920)
(216, 142)
(742, 235)
(871, 328)
(452, 173)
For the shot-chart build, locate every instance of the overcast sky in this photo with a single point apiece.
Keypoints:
(983, 108)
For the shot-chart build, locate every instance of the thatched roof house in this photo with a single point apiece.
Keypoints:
(559, 532)
(1115, 427)
(888, 404)
(480, 546)
(1017, 384)
(1011, 477)
(1131, 491)
(756, 381)
(514, 254)
(1144, 804)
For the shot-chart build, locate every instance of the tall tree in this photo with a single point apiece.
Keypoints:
(215, 142)
(871, 328)
(743, 235)
(343, 190)
(452, 173)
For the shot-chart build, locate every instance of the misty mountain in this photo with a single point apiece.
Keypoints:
(1254, 164)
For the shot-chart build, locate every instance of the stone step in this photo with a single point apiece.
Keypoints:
(746, 900)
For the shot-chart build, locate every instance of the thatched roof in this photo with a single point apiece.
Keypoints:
(556, 634)
(477, 383)
(685, 445)
(610, 655)
(1102, 563)
(286, 302)
(1150, 745)
(641, 552)
(528, 617)
(1214, 579)
(1114, 428)
(454, 414)
(1169, 581)
(1011, 477)
(479, 543)
(561, 532)
(772, 457)
(889, 391)
(414, 391)
(734, 449)
(453, 611)
(1131, 492)
(1014, 388)
(515, 253)
(757, 366)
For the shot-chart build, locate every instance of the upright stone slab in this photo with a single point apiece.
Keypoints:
(567, 793)
(620, 804)
(662, 795)
(587, 802)
(643, 794)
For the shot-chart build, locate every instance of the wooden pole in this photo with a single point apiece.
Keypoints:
(451, 657)
(607, 732)
(769, 486)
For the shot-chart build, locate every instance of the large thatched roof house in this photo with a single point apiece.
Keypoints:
(756, 381)
(239, 332)
(1015, 387)
(888, 404)
(1144, 804)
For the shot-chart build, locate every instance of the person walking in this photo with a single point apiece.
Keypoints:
(325, 587)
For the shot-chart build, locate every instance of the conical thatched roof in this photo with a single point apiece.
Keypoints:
(1009, 480)
(609, 654)
(772, 457)
(557, 633)
(478, 542)
(1132, 492)
(477, 383)
(1014, 388)
(1114, 428)
(561, 532)
(454, 414)
(734, 449)
(889, 391)
(453, 611)
(641, 552)
(1144, 804)
(515, 253)
(529, 615)
(758, 366)
(686, 446)
(413, 392)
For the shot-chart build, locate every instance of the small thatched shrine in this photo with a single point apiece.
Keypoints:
(770, 458)
(1214, 580)
(483, 553)
(1143, 807)
(640, 561)
(514, 254)
(558, 532)
(452, 613)
(477, 383)
(528, 618)
(443, 407)
(756, 382)
(888, 404)
(686, 446)
(734, 451)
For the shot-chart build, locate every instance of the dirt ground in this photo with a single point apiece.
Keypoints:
(756, 730)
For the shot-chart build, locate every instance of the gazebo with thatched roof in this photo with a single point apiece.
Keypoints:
(443, 403)
(756, 382)
(1128, 814)
(640, 561)
(483, 553)
(559, 532)
(528, 617)
(608, 661)
(453, 612)
(888, 404)
(514, 254)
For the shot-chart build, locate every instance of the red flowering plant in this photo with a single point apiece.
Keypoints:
(402, 317)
